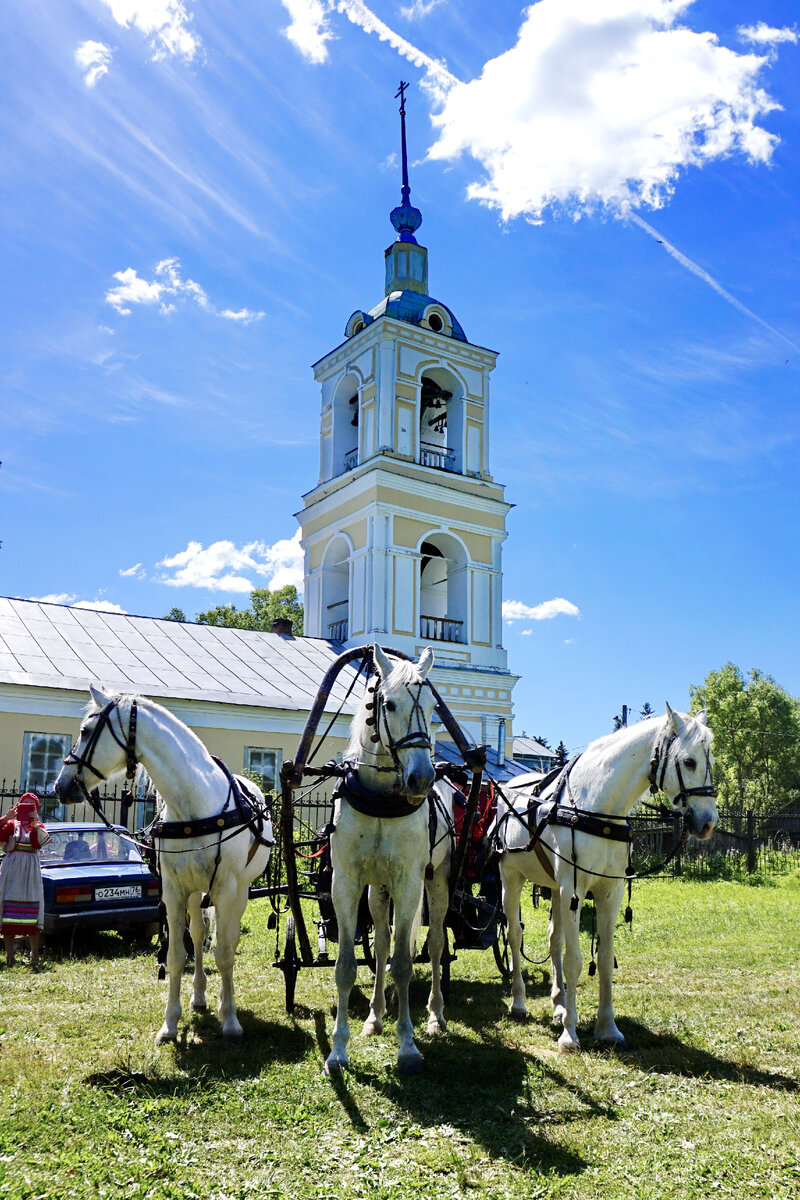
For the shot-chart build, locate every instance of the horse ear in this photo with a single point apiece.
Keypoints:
(98, 696)
(676, 718)
(425, 662)
(382, 662)
(701, 717)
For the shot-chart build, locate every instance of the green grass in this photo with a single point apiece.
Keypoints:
(705, 1102)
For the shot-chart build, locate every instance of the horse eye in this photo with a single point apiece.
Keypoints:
(691, 763)
(390, 705)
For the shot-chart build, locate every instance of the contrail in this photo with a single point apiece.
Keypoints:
(709, 279)
(356, 11)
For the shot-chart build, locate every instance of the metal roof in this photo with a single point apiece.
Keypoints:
(529, 747)
(52, 645)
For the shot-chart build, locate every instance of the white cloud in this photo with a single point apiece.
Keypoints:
(93, 58)
(602, 104)
(308, 29)
(135, 572)
(165, 22)
(99, 606)
(220, 567)
(245, 315)
(167, 286)
(419, 8)
(764, 35)
(69, 599)
(54, 598)
(515, 610)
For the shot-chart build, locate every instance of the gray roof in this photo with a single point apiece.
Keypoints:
(52, 645)
(530, 747)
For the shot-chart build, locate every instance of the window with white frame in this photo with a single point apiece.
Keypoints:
(263, 766)
(42, 756)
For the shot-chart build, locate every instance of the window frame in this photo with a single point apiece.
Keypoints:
(25, 781)
(250, 770)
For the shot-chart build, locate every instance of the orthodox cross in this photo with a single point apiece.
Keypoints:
(401, 92)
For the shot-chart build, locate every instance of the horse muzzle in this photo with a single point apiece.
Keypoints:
(69, 791)
(702, 824)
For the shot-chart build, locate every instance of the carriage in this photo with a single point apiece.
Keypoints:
(301, 866)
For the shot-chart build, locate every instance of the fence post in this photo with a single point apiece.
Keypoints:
(677, 833)
(751, 842)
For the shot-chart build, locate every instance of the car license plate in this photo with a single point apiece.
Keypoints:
(118, 893)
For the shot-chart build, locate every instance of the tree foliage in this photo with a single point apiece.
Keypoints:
(265, 607)
(562, 755)
(175, 614)
(756, 746)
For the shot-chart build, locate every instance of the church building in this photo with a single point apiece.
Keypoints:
(403, 532)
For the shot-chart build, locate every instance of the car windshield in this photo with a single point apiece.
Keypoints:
(84, 846)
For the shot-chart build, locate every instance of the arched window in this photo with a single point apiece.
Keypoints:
(441, 420)
(443, 604)
(336, 590)
(345, 424)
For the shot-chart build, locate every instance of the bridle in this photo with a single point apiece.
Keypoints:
(414, 739)
(83, 761)
(661, 758)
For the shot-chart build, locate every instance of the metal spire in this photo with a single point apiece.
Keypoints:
(406, 219)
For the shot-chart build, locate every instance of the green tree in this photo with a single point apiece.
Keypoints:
(562, 755)
(175, 614)
(756, 746)
(646, 710)
(265, 607)
(542, 741)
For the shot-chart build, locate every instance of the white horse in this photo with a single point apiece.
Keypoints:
(603, 785)
(386, 837)
(221, 856)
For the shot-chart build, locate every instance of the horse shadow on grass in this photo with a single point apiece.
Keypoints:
(483, 1090)
(665, 1054)
(202, 1056)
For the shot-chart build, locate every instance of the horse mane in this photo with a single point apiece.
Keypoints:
(153, 706)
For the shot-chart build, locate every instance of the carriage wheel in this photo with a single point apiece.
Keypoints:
(501, 948)
(290, 964)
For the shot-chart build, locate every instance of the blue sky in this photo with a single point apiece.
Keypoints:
(196, 197)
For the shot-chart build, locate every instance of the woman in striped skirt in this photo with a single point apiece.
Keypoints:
(22, 836)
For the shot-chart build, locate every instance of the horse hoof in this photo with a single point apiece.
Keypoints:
(566, 1045)
(518, 1014)
(372, 1027)
(335, 1066)
(232, 1037)
(612, 1043)
(199, 1008)
(165, 1035)
(436, 1025)
(409, 1064)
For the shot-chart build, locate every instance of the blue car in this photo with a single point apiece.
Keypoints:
(96, 879)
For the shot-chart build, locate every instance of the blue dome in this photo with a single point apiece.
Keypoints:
(410, 306)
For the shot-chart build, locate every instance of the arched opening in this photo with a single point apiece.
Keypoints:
(443, 589)
(441, 420)
(345, 424)
(336, 590)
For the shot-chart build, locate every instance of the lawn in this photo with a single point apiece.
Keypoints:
(704, 1103)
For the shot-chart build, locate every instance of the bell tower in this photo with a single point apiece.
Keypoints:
(403, 533)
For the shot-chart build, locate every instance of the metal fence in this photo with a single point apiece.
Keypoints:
(743, 845)
(135, 815)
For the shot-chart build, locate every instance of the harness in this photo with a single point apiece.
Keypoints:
(604, 825)
(246, 811)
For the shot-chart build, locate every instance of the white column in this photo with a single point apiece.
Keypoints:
(386, 390)
(377, 582)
